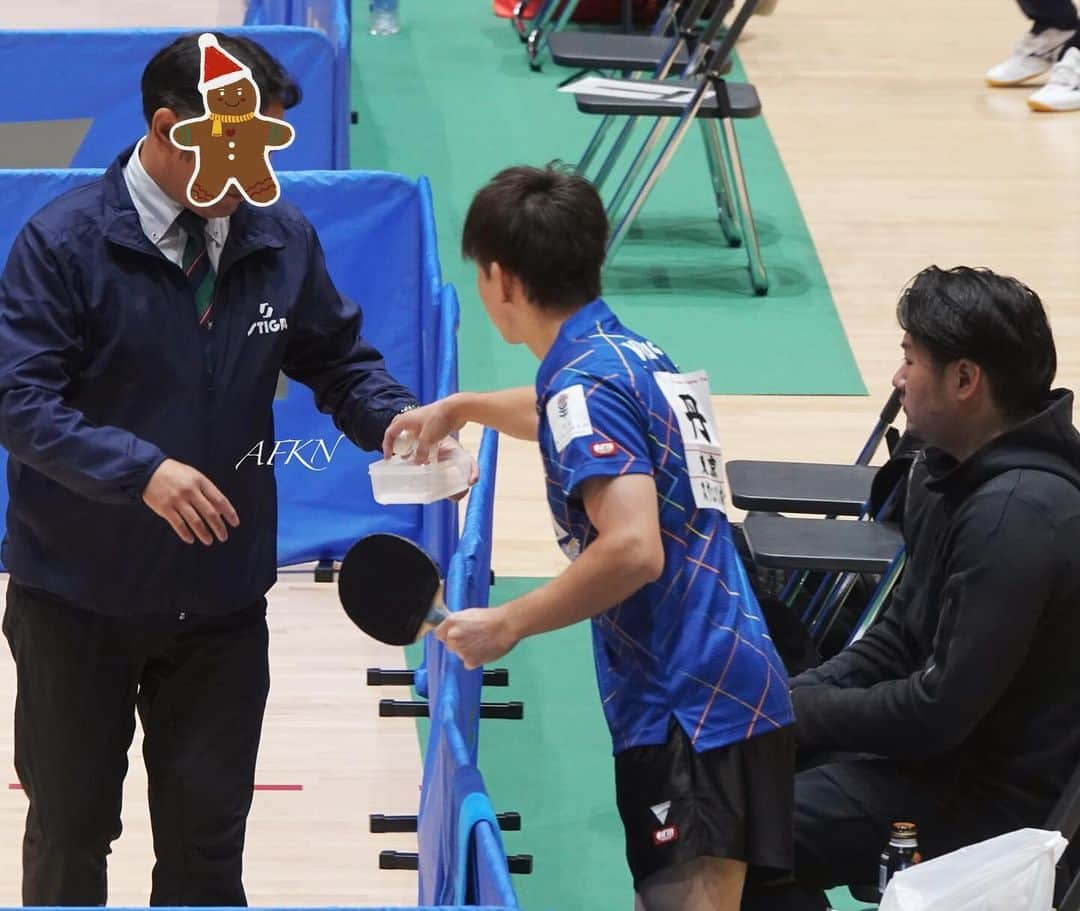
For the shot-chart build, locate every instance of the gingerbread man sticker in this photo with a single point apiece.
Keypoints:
(232, 140)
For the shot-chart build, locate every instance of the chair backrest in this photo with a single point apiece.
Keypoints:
(666, 18)
(701, 55)
(684, 33)
(881, 428)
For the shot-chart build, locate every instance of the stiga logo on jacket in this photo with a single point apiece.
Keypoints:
(266, 324)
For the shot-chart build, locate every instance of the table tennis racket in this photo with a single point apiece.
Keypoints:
(391, 589)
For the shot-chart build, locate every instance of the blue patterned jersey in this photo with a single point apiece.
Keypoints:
(693, 644)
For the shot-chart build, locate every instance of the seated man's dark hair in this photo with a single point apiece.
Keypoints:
(993, 320)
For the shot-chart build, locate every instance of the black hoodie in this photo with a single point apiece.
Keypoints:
(973, 672)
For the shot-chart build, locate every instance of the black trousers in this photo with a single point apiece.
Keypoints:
(199, 685)
(1051, 13)
(843, 813)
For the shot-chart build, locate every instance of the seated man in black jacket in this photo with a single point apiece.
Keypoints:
(957, 710)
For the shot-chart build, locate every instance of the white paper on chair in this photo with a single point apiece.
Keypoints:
(633, 89)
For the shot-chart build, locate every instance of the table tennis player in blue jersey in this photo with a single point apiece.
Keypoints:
(692, 689)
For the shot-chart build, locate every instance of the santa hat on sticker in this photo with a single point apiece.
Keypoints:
(219, 67)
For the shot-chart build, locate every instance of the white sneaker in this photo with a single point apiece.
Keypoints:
(1031, 57)
(1062, 91)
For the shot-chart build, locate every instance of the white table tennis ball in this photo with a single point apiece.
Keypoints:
(405, 443)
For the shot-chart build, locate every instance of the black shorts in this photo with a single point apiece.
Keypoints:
(734, 802)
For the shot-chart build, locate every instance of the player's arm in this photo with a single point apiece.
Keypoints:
(509, 411)
(626, 555)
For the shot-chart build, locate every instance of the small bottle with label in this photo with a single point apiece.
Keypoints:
(383, 17)
(901, 852)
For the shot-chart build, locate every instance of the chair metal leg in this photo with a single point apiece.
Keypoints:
(721, 183)
(568, 11)
(535, 32)
(517, 18)
(615, 153)
(670, 147)
(536, 43)
(758, 277)
(885, 586)
(833, 604)
(634, 171)
(820, 598)
(595, 143)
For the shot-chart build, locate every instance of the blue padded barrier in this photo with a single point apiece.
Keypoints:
(461, 853)
(95, 74)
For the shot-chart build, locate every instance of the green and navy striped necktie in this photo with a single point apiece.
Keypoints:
(196, 265)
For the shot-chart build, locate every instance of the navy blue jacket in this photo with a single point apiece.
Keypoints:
(104, 374)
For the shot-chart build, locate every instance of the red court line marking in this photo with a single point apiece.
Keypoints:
(259, 787)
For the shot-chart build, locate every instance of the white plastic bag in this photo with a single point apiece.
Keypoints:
(1013, 872)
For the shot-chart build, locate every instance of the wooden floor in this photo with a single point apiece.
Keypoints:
(900, 158)
(66, 14)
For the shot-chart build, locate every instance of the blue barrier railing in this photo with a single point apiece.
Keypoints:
(461, 853)
(332, 18)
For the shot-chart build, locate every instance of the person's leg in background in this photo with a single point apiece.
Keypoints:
(843, 813)
(74, 721)
(201, 703)
(1054, 29)
(1062, 90)
(703, 884)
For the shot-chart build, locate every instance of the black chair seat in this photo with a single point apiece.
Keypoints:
(610, 51)
(741, 103)
(827, 545)
(800, 487)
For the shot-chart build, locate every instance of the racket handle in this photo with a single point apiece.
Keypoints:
(436, 615)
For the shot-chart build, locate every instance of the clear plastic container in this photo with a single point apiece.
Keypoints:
(399, 480)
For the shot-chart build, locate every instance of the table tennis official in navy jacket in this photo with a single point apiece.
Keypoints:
(139, 553)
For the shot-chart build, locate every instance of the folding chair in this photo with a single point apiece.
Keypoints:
(827, 490)
(635, 53)
(701, 94)
(659, 54)
(811, 487)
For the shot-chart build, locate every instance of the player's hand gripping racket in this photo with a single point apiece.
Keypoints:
(391, 589)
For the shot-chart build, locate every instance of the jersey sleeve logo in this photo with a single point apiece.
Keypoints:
(568, 416)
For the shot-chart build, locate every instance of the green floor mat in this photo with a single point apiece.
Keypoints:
(451, 97)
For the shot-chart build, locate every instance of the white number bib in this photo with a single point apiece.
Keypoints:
(688, 395)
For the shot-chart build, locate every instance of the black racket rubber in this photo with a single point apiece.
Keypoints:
(387, 585)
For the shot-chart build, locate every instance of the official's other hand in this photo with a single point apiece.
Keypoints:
(190, 503)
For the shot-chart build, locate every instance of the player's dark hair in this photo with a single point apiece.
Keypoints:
(547, 227)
